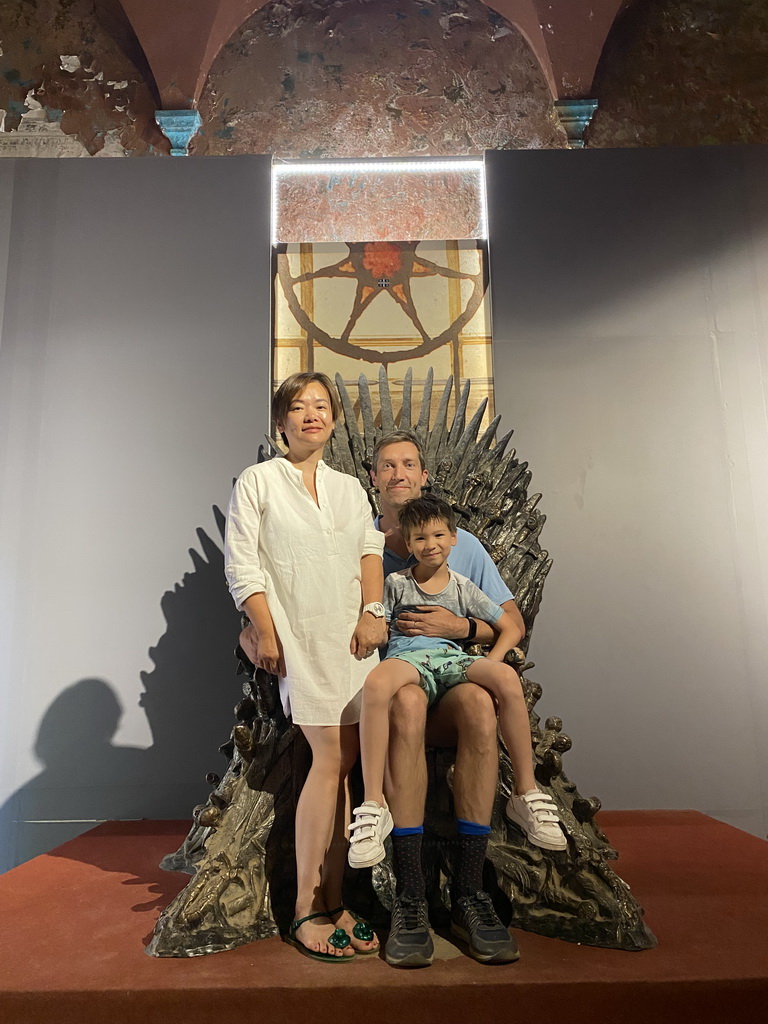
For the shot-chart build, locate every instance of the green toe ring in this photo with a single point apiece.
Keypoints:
(363, 931)
(339, 939)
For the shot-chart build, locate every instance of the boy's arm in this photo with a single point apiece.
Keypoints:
(510, 635)
(514, 613)
(489, 633)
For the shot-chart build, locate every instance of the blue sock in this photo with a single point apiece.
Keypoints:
(471, 828)
(414, 830)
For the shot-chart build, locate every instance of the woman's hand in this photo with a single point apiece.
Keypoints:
(270, 655)
(249, 643)
(370, 633)
(263, 645)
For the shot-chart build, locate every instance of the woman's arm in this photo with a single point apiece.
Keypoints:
(245, 576)
(372, 578)
(370, 631)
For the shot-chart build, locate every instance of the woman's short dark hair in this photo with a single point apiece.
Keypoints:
(427, 509)
(397, 437)
(293, 386)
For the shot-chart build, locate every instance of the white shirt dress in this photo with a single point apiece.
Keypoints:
(306, 559)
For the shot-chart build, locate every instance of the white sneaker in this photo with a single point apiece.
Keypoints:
(536, 814)
(370, 827)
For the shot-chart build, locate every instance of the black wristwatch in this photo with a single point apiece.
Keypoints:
(469, 638)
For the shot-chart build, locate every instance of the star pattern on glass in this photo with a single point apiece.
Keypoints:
(370, 264)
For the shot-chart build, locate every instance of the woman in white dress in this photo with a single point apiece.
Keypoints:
(303, 560)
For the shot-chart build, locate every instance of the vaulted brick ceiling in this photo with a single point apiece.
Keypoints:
(181, 39)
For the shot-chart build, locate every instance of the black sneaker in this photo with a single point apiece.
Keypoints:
(474, 919)
(410, 942)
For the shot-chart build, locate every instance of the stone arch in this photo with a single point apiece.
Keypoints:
(297, 82)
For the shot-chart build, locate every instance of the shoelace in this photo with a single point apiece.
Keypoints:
(480, 905)
(410, 913)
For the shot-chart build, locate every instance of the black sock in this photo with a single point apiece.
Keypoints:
(409, 874)
(469, 876)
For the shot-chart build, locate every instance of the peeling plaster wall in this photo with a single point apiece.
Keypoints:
(64, 54)
(354, 78)
(684, 73)
(383, 77)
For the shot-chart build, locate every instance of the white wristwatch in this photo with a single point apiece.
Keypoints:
(376, 608)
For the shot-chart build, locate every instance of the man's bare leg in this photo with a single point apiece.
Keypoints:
(465, 718)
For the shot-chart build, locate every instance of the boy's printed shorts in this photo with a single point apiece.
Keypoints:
(440, 669)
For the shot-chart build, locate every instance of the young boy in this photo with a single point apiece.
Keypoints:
(428, 525)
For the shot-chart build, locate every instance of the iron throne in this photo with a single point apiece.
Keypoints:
(240, 847)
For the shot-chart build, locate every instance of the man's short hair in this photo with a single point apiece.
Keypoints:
(397, 437)
(427, 509)
(293, 386)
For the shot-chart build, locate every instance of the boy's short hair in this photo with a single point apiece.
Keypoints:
(397, 437)
(426, 509)
(293, 386)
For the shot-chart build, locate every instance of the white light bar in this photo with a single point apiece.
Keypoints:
(379, 167)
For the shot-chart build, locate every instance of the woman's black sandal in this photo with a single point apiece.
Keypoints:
(338, 939)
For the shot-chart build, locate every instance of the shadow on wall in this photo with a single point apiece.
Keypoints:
(188, 701)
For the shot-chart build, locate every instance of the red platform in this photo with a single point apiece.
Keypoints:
(75, 923)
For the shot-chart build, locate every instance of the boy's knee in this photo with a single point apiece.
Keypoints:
(408, 712)
(377, 688)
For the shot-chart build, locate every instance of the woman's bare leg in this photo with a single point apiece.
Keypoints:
(504, 683)
(336, 856)
(316, 813)
(382, 684)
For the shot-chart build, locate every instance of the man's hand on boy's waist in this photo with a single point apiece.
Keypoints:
(433, 620)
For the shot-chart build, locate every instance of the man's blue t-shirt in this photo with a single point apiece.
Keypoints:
(469, 558)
